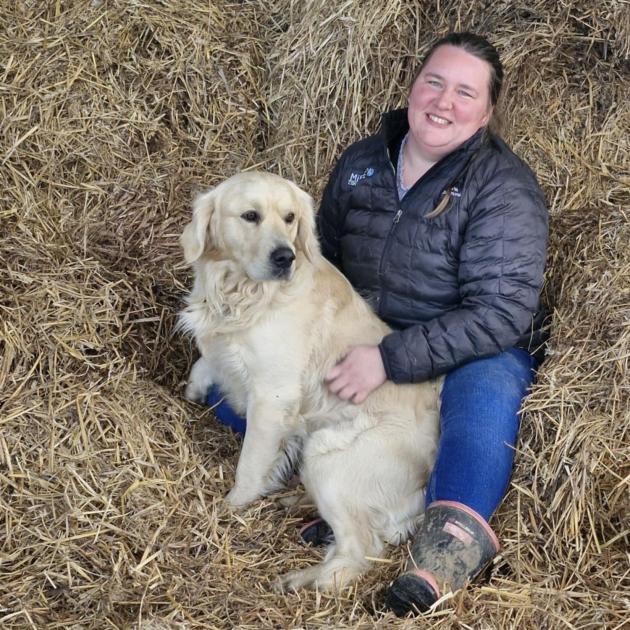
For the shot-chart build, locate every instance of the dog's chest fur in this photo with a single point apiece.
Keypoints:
(286, 347)
(268, 355)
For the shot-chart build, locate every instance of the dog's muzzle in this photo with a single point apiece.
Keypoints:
(281, 260)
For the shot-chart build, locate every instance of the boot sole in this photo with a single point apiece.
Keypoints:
(409, 594)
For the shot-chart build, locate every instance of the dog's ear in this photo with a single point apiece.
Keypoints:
(193, 239)
(306, 236)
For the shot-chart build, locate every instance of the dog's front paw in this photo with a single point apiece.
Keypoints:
(196, 392)
(238, 498)
(199, 381)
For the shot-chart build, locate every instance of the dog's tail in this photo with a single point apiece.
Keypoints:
(286, 464)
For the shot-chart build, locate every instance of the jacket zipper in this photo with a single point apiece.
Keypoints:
(387, 245)
(381, 296)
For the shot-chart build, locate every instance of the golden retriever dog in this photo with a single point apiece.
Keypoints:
(271, 317)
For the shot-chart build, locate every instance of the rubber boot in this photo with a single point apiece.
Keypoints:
(453, 545)
(317, 533)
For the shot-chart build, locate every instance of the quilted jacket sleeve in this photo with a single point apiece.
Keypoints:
(501, 267)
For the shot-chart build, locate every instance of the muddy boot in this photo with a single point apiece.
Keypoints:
(453, 545)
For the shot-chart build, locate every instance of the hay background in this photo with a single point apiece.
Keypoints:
(112, 115)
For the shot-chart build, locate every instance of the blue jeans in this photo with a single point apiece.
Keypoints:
(479, 427)
(223, 412)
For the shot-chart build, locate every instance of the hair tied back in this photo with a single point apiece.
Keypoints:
(443, 203)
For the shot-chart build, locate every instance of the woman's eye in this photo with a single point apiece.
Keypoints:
(289, 218)
(251, 216)
(466, 94)
(433, 83)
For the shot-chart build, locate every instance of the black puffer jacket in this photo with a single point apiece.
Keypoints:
(460, 286)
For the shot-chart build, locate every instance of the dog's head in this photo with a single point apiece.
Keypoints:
(258, 220)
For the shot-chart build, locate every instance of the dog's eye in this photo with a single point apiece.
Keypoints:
(289, 218)
(251, 216)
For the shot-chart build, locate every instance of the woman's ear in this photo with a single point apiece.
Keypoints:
(488, 117)
(193, 239)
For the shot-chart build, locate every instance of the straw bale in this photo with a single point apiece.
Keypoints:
(112, 115)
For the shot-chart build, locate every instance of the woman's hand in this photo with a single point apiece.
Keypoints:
(358, 374)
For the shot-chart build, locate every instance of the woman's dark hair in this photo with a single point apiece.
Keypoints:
(478, 46)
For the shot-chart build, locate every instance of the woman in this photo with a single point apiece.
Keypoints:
(443, 230)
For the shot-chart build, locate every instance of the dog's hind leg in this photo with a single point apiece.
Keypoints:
(346, 559)
(399, 524)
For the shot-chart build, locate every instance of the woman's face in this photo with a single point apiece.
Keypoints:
(449, 101)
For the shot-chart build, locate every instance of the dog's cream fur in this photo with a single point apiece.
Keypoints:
(267, 337)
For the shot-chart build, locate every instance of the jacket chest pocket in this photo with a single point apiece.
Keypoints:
(435, 259)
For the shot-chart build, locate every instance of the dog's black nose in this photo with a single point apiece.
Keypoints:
(282, 257)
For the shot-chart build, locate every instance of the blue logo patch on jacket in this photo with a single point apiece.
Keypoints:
(355, 178)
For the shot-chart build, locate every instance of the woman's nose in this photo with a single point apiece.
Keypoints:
(445, 100)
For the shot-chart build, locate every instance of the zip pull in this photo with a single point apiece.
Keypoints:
(398, 215)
